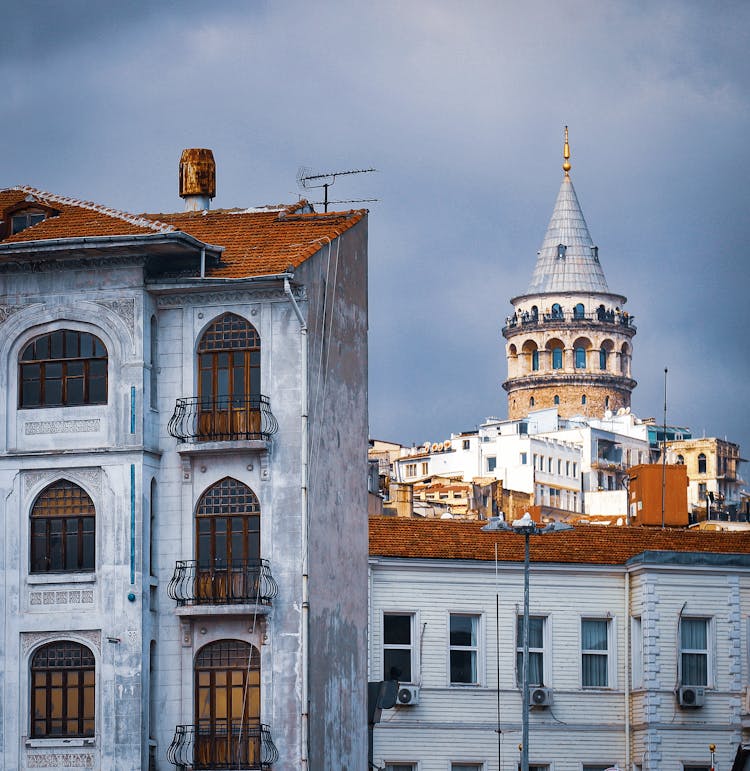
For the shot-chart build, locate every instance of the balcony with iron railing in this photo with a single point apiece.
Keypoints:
(229, 583)
(558, 319)
(223, 419)
(214, 745)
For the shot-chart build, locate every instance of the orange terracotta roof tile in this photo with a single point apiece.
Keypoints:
(256, 241)
(462, 540)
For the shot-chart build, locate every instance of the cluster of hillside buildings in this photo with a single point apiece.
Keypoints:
(186, 581)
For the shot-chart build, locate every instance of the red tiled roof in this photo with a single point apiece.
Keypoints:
(462, 540)
(256, 242)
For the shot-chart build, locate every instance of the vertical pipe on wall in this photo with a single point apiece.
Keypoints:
(305, 621)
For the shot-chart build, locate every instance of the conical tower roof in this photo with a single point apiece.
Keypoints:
(568, 260)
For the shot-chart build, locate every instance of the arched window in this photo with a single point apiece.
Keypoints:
(556, 399)
(602, 358)
(680, 460)
(63, 686)
(229, 379)
(701, 463)
(580, 358)
(227, 705)
(228, 543)
(61, 369)
(557, 312)
(557, 358)
(583, 398)
(578, 311)
(62, 530)
(534, 312)
(606, 402)
(535, 359)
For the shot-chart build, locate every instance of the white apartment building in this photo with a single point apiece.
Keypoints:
(638, 645)
(183, 436)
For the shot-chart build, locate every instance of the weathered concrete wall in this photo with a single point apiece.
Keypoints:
(336, 281)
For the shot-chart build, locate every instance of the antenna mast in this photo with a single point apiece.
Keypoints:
(305, 178)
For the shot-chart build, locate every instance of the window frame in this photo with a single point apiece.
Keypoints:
(475, 649)
(636, 652)
(412, 647)
(707, 652)
(607, 654)
(68, 376)
(85, 523)
(82, 686)
(544, 651)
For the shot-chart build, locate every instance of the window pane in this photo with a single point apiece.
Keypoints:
(86, 342)
(71, 344)
(694, 669)
(56, 345)
(693, 633)
(397, 629)
(594, 671)
(71, 544)
(463, 630)
(536, 631)
(463, 667)
(397, 664)
(594, 635)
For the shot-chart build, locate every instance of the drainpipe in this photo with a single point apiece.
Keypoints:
(628, 659)
(304, 631)
(203, 263)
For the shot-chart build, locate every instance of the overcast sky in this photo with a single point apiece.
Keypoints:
(461, 108)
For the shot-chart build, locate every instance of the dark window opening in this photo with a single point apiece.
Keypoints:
(61, 369)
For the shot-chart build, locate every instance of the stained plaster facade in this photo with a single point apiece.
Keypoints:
(145, 485)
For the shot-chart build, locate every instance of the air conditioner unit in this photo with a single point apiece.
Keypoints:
(408, 695)
(540, 697)
(691, 696)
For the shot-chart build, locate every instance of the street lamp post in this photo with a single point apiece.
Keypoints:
(525, 527)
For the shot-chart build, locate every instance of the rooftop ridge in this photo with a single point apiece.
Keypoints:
(132, 219)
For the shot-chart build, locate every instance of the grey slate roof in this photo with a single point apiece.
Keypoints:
(579, 269)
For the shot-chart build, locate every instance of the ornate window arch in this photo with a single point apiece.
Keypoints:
(227, 523)
(227, 705)
(63, 530)
(63, 689)
(62, 368)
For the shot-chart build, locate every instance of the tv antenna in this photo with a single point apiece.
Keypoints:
(307, 181)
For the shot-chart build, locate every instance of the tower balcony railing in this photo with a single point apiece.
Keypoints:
(222, 582)
(222, 418)
(214, 745)
(532, 320)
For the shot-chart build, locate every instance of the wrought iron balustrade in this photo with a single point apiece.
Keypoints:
(222, 744)
(222, 582)
(222, 418)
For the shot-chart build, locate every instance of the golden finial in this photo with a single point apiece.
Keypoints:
(566, 154)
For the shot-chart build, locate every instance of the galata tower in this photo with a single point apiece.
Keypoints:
(569, 339)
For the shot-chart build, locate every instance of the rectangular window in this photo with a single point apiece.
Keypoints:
(491, 463)
(397, 646)
(536, 650)
(559, 466)
(464, 632)
(400, 767)
(466, 444)
(597, 766)
(467, 766)
(425, 469)
(536, 767)
(575, 469)
(594, 652)
(636, 651)
(567, 468)
(524, 458)
(694, 651)
(549, 465)
(411, 469)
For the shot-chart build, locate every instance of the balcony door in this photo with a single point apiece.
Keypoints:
(229, 379)
(227, 522)
(227, 706)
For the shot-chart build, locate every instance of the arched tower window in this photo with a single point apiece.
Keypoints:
(578, 311)
(680, 460)
(62, 691)
(62, 530)
(580, 357)
(61, 369)
(557, 358)
(229, 378)
(556, 400)
(534, 312)
(583, 398)
(535, 359)
(227, 521)
(606, 402)
(701, 463)
(227, 705)
(531, 402)
(557, 311)
(602, 358)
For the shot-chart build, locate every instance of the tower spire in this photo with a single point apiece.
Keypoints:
(566, 155)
